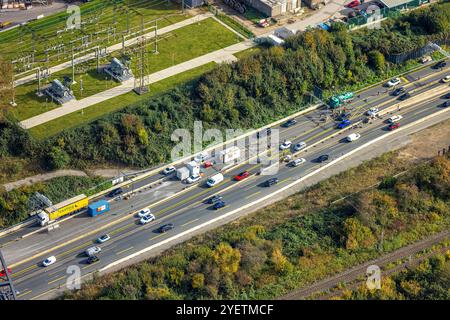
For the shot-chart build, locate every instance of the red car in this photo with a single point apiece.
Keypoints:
(394, 126)
(3, 273)
(207, 164)
(353, 4)
(242, 176)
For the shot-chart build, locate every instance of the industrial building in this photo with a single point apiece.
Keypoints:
(273, 8)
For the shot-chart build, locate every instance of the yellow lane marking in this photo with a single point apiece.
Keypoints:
(25, 293)
(127, 226)
(90, 265)
(253, 194)
(404, 79)
(40, 295)
(24, 270)
(189, 222)
(159, 235)
(57, 279)
(124, 250)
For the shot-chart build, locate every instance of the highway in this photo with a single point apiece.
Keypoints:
(185, 208)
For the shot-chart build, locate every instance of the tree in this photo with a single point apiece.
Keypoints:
(58, 158)
(198, 281)
(357, 235)
(227, 258)
(377, 60)
(280, 262)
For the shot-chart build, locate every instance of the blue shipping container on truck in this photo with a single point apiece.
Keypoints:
(98, 207)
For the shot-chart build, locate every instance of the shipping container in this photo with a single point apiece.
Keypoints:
(99, 207)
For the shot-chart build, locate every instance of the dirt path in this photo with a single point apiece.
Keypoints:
(105, 173)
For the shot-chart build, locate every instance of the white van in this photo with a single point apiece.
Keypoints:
(215, 179)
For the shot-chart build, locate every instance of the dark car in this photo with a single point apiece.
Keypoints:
(219, 205)
(92, 259)
(271, 182)
(447, 96)
(214, 199)
(344, 123)
(440, 64)
(166, 227)
(115, 192)
(323, 158)
(289, 123)
(446, 104)
(404, 96)
(398, 91)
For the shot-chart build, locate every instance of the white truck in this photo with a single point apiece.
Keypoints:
(214, 180)
(230, 154)
(193, 167)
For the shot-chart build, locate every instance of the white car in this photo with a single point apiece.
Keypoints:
(49, 261)
(285, 145)
(193, 179)
(103, 238)
(372, 112)
(92, 251)
(393, 82)
(298, 162)
(395, 118)
(446, 79)
(144, 212)
(169, 170)
(147, 219)
(353, 137)
(300, 146)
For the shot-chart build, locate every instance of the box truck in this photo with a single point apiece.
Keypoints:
(183, 173)
(193, 167)
(99, 207)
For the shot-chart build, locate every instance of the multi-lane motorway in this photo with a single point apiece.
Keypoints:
(172, 202)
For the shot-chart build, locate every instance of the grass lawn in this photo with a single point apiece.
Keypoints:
(89, 114)
(181, 45)
(96, 17)
(247, 52)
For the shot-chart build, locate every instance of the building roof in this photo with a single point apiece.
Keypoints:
(394, 3)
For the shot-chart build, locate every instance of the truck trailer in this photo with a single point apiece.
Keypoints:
(99, 207)
(62, 209)
(336, 101)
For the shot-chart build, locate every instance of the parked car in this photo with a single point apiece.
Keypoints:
(285, 145)
(144, 212)
(169, 170)
(393, 82)
(298, 162)
(289, 123)
(214, 199)
(193, 179)
(242, 176)
(323, 158)
(398, 91)
(147, 219)
(166, 227)
(393, 126)
(219, 205)
(49, 261)
(103, 238)
(426, 59)
(353, 4)
(271, 182)
(440, 64)
(404, 96)
(92, 259)
(344, 124)
(446, 79)
(300, 146)
(115, 192)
